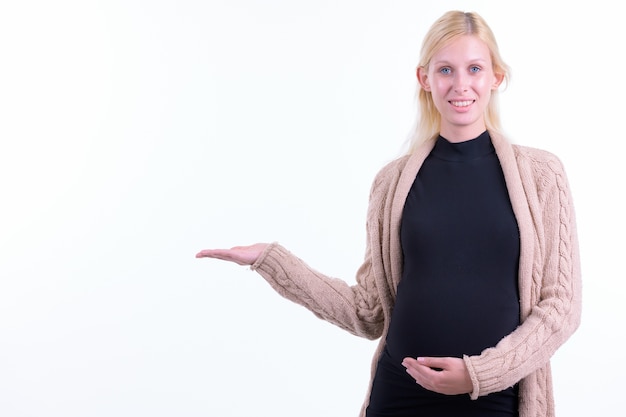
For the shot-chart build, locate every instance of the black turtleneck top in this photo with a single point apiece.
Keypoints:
(458, 294)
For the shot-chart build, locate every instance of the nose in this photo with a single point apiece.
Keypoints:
(460, 83)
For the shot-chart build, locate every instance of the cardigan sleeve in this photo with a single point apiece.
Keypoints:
(355, 308)
(556, 283)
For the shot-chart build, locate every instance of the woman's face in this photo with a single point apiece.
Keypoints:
(460, 79)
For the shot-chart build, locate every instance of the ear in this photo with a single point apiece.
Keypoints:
(498, 78)
(422, 78)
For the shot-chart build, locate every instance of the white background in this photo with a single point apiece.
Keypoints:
(135, 133)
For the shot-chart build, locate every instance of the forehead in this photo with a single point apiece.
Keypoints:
(462, 49)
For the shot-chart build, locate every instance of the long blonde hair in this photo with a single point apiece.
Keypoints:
(448, 27)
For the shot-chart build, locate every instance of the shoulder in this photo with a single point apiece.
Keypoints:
(539, 161)
(540, 170)
(535, 156)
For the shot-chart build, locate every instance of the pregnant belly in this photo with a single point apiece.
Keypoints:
(449, 320)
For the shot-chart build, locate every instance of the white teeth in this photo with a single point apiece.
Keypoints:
(462, 103)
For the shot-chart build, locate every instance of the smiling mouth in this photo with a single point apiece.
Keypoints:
(463, 103)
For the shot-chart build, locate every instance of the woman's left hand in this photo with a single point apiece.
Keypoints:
(443, 375)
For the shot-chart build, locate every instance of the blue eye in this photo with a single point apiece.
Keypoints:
(474, 68)
(445, 70)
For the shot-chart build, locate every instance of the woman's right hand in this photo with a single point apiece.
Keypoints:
(241, 255)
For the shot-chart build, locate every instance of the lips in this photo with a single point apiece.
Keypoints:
(461, 103)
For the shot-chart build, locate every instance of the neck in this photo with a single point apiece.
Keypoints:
(456, 134)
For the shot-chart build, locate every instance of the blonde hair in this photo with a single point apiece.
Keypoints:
(447, 28)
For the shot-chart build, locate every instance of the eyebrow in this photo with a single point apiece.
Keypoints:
(471, 61)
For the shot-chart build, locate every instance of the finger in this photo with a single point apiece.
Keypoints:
(229, 255)
(425, 363)
(421, 377)
(418, 371)
(411, 369)
(223, 254)
(410, 363)
(205, 253)
(433, 363)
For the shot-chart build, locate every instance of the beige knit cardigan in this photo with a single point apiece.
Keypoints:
(549, 273)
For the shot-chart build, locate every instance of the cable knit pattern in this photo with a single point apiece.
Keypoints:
(355, 309)
(555, 290)
(549, 273)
